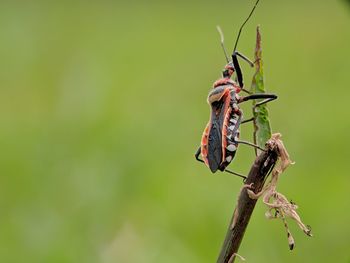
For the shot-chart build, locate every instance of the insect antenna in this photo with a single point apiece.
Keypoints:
(222, 42)
(240, 30)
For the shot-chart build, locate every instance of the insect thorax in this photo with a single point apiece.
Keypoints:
(218, 93)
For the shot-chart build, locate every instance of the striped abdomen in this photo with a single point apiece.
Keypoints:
(218, 147)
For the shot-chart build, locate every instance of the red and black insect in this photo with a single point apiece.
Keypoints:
(220, 138)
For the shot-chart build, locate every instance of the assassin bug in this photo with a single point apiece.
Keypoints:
(220, 138)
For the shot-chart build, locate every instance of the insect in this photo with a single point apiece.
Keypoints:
(220, 138)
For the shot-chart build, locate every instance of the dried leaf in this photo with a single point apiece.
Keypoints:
(275, 201)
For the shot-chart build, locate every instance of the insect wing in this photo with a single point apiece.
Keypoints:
(215, 152)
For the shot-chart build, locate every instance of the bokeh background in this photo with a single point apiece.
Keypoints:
(102, 107)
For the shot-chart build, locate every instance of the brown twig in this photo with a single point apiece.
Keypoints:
(263, 164)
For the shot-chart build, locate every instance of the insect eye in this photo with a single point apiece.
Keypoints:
(226, 73)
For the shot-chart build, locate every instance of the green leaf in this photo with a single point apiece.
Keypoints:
(262, 127)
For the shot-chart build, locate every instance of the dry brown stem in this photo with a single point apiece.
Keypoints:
(253, 189)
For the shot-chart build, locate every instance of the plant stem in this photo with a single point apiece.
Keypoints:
(263, 164)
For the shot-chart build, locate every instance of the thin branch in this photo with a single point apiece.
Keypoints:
(262, 166)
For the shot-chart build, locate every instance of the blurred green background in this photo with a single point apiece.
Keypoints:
(102, 107)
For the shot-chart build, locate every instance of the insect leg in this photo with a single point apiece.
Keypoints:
(263, 102)
(246, 91)
(238, 67)
(256, 105)
(197, 154)
(266, 96)
(240, 175)
(245, 58)
(248, 120)
(250, 144)
(238, 70)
